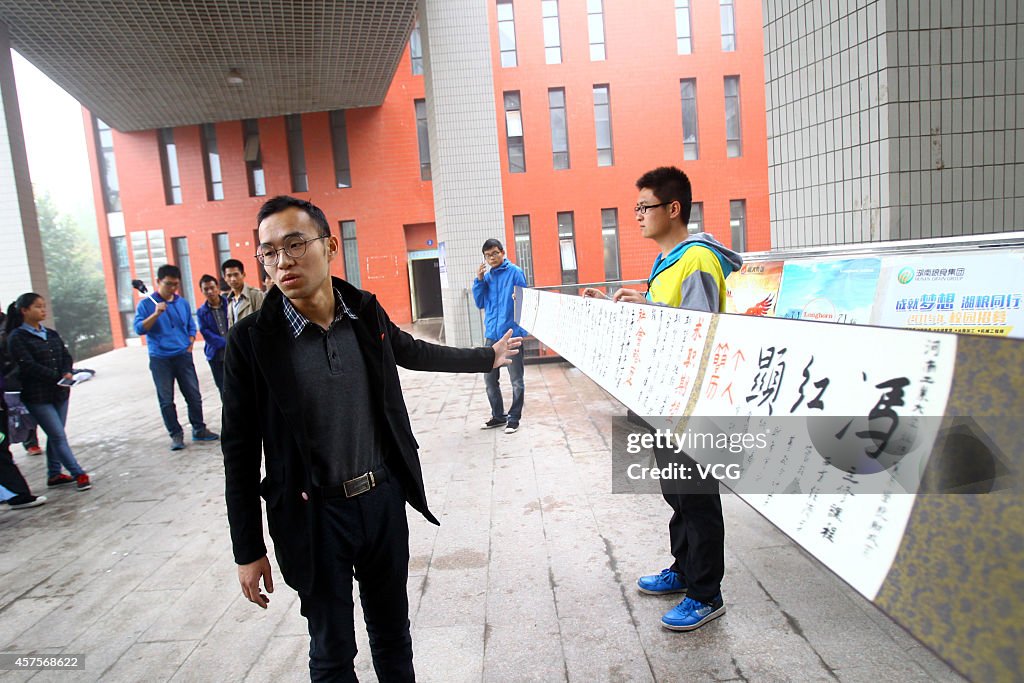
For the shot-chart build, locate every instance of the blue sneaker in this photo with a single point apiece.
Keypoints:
(691, 614)
(664, 583)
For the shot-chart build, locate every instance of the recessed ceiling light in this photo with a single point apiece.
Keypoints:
(235, 78)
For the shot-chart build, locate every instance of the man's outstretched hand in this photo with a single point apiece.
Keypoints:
(504, 349)
(249, 576)
(629, 295)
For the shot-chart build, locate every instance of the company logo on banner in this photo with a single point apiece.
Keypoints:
(962, 293)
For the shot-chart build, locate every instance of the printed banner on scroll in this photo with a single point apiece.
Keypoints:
(754, 288)
(647, 357)
(832, 291)
(962, 293)
(871, 419)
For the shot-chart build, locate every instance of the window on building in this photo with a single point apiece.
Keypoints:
(211, 163)
(506, 33)
(559, 128)
(552, 36)
(567, 248)
(123, 283)
(350, 251)
(728, 12)
(733, 133)
(339, 141)
(696, 223)
(684, 37)
(148, 253)
(688, 89)
(222, 248)
(169, 166)
(524, 252)
(610, 237)
(416, 50)
(595, 27)
(181, 259)
(423, 136)
(140, 257)
(738, 224)
(603, 125)
(514, 133)
(296, 153)
(254, 158)
(108, 169)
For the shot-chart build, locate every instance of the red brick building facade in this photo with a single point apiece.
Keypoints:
(177, 217)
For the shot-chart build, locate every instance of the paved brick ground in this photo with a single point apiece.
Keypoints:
(529, 578)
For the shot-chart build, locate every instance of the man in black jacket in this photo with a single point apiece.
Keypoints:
(311, 382)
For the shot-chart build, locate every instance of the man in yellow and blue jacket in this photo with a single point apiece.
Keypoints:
(689, 273)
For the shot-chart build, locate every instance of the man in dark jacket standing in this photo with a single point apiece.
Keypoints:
(311, 382)
(213, 324)
(494, 291)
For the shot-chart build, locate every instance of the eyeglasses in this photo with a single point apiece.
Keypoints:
(294, 247)
(643, 208)
(493, 254)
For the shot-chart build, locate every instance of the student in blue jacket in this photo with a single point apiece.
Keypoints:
(165, 318)
(494, 292)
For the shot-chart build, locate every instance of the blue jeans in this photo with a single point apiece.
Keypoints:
(165, 371)
(52, 417)
(491, 379)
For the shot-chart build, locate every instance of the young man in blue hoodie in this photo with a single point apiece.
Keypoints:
(689, 273)
(494, 291)
(166, 320)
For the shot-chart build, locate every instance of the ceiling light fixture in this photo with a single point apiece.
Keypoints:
(235, 78)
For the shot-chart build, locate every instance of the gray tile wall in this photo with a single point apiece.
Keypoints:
(465, 163)
(894, 119)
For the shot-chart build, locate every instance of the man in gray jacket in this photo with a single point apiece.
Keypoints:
(243, 299)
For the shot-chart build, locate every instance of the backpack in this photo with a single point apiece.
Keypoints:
(20, 424)
(9, 379)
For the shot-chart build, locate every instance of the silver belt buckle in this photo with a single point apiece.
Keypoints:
(359, 485)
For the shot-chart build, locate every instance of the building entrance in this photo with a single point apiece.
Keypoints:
(426, 287)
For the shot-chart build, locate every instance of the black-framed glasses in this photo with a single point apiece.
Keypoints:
(294, 247)
(643, 208)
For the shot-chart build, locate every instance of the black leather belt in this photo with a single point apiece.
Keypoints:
(357, 486)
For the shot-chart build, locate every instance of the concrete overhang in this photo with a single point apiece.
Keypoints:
(153, 64)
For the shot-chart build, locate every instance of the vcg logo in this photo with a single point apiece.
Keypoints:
(905, 276)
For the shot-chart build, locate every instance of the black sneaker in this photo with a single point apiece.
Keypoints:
(177, 442)
(494, 422)
(512, 427)
(204, 434)
(25, 501)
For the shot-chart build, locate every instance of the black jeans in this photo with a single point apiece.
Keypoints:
(217, 370)
(696, 532)
(366, 537)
